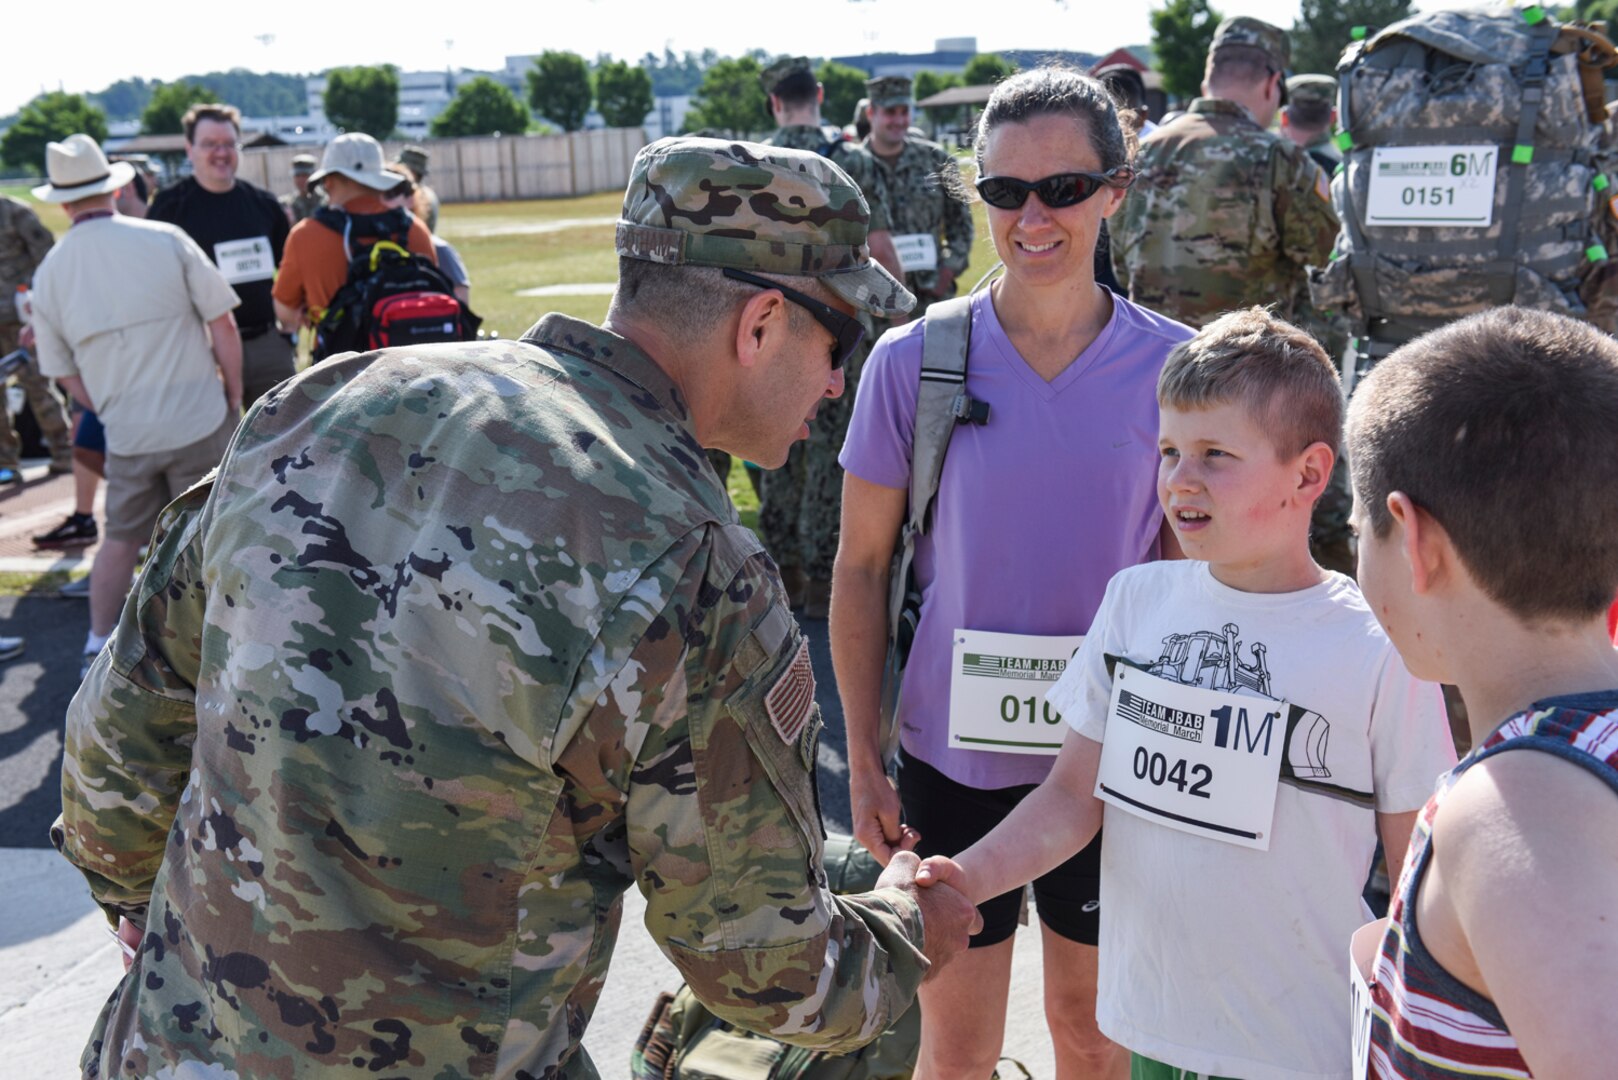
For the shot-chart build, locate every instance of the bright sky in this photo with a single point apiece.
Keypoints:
(98, 42)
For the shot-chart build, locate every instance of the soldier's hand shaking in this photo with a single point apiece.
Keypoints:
(948, 916)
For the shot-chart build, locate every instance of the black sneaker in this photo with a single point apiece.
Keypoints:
(79, 530)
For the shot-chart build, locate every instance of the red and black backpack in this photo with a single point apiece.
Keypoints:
(392, 296)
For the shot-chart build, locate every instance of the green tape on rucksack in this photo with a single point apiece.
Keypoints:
(1474, 142)
(682, 1040)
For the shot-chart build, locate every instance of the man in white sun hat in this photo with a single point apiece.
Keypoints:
(315, 264)
(156, 354)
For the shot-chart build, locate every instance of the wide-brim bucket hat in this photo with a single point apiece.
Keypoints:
(359, 157)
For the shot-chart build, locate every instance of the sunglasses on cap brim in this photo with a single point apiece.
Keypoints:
(846, 332)
(1062, 189)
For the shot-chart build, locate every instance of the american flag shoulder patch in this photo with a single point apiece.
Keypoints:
(792, 699)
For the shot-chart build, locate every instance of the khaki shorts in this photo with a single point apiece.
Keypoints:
(140, 485)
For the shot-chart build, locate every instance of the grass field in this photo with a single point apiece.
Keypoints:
(560, 244)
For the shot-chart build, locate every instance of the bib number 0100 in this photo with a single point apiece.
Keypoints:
(1011, 710)
(1155, 769)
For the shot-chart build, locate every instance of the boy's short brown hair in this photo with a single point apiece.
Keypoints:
(225, 114)
(1501, 426)
(1276, 370)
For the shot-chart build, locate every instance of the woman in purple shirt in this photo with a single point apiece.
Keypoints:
(1036, 510)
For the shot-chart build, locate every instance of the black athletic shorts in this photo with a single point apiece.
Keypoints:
(951, 817)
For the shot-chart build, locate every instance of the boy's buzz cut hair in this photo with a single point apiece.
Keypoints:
(1500, 426)
(1276, 370)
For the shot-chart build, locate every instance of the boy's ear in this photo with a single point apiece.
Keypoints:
(1423, 542)
(1314, 471)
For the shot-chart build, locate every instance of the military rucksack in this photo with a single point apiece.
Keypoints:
(682, 1040)
(392, 296)
(1476, 173)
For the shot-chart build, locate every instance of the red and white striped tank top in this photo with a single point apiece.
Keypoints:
(1425, 1024)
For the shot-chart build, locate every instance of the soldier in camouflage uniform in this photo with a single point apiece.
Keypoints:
(462, 641)
(1225, 214)
(1308, 120)
(925, 192)
(800, 504)
(306, 200)
(24, 240)
(1309, 116)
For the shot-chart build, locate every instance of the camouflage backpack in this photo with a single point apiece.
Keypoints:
(1476, 172)
(682, 1040)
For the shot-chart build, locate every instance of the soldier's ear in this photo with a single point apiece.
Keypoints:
(761, 328)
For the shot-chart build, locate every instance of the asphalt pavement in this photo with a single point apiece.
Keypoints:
(57, 964)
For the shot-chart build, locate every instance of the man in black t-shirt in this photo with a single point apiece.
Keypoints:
(242, 228)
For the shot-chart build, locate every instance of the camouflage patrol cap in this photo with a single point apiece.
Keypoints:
(772, 76)
(303, 164)
(888, 90)
(712, 202)
(1312, 89)
(1255, 33)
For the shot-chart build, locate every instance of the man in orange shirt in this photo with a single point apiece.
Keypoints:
(315, 263)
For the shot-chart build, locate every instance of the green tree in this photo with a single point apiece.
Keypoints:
(623, 94)
(1182, 30)
(1604, 13)
(844, 87)
(1325, 27)
(929, 83)
(49, 117)
(986, 69)
(559, 88)
(363, 99)
(124, 99)
(167, 107)
(730, 99)
(481, 107)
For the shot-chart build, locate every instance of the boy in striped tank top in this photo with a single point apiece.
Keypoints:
(1486, 499)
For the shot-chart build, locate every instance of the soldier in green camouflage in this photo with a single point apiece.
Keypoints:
(24, 240)
(800, 504)
(305, 201)
(460, 642)
(1225, 214)
(931, 218)
(1309, 116)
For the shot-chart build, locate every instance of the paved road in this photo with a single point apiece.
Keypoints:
(34, 692)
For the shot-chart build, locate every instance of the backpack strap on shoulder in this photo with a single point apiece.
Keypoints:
(941, 403)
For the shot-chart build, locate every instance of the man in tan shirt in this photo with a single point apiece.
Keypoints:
(135, 322)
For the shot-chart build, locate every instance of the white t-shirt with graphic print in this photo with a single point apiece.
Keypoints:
(1232, 961)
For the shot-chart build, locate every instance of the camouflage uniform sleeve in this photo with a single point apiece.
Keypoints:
(131, 725)
(724, 823)
(1306, 220)
(957, 226)
(36, 238)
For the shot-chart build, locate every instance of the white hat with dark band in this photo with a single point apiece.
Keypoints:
(78, 169)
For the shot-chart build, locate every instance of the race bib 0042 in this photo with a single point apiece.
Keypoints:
(997, 688)
(1206, 762)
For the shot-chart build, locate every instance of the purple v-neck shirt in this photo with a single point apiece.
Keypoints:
(1036, 510)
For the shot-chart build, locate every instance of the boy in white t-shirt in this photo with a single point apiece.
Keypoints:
(1247, 727)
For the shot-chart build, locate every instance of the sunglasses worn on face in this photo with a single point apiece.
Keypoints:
(1063, 189)
(846, 332)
